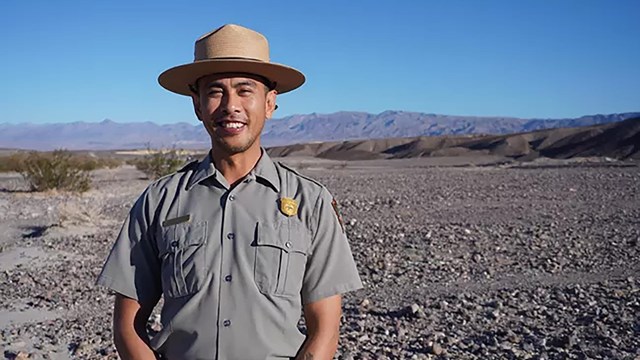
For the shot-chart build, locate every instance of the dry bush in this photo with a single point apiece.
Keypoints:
(159, 163)
(71, 214)
(12, 162)
(89, 163)
(109, 163)
(56, 170)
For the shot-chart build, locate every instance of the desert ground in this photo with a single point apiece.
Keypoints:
(537, 260)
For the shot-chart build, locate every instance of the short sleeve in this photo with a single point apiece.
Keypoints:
(133, 267)
(330, 268)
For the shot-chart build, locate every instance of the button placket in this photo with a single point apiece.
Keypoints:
(228, 235)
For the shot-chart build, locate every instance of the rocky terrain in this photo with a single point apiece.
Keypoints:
(535, 260)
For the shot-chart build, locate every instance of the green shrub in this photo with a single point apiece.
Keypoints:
(159, 163)
(56, 170)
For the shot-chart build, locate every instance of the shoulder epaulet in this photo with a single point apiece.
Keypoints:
(286, 167)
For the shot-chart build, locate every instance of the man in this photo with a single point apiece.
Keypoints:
(236, 244)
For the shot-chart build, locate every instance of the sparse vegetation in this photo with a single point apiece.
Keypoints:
(89, 163)
(78, 213)
(12, 162)
(15, 162)
(159, 163)
(55, 170)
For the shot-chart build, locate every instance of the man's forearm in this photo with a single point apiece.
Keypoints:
(129, 329)
(132, 345)
(319, 347)
(323, 329)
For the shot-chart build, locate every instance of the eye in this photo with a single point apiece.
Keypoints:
(214, 92)
(245, 91)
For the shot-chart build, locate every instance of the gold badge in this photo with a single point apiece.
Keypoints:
(288, 206)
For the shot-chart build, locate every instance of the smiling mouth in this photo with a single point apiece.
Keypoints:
(231, 124)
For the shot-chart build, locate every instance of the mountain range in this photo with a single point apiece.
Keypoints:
(295, 129)
(617, 140)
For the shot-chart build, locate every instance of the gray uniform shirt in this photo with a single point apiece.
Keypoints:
(233, 268)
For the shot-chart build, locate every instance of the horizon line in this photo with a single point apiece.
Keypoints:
(108, 120)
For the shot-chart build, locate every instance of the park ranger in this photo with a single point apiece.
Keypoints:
(236, 244)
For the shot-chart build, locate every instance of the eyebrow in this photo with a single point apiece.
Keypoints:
(219, 84)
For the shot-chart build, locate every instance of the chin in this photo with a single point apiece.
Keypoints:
(233, 148)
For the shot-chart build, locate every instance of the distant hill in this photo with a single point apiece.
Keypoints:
(109, 135)
(620, 140)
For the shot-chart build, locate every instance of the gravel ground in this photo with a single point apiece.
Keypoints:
(539, 261)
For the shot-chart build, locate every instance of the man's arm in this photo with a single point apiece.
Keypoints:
(323, 329)
(129, 329)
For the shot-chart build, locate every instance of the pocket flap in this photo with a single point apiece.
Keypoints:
(181, 236)
(285, 236)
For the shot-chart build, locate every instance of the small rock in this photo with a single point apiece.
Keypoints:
(436, 349)
(16, 355)
(414, 308)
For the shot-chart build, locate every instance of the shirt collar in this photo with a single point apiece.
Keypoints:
(264, 169)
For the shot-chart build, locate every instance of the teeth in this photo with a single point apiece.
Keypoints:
(233, 125)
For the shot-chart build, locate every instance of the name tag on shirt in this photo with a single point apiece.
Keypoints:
(176, 221)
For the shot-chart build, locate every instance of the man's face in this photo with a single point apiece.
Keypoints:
(233, 109)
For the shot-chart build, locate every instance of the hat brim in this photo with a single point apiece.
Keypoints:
(178, 79)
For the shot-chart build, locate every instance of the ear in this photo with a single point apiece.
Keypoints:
(270, 104)
(196, 105)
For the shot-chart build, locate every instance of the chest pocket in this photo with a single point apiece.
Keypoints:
(280, 258)
(183, 255)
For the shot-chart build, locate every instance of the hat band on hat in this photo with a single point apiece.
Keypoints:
(222, 58)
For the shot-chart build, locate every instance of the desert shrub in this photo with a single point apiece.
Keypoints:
(15, 162)
(109, 163)
(12, 162)
(89, 163)
(159, 163)
(56, 170)
(79, 213)
(84, 162)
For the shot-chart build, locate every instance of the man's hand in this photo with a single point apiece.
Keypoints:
(129, 329)
(323, 329)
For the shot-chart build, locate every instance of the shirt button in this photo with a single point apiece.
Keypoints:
(227, 278)
(226, 323)
(231, 236)
(174, 243)
(232, 197)
(288, 245)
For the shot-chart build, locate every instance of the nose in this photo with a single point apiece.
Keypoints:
(230, 103)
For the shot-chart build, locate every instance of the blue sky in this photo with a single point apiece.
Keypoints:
(65, 61)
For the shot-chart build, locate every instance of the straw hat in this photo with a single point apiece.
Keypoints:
(231, 48)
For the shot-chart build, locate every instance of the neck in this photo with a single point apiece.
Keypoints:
(235, 167)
